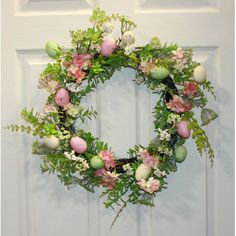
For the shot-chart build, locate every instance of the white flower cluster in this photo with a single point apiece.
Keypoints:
(64, 134)
(165, 150)
(73, 87)
(83, 164)
(96, 47)
(127, 168)
(129, 49)
(159, 173)
(173, 118)
(159, 88)
(164, 134)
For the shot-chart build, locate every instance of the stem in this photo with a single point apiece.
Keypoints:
(119, 212)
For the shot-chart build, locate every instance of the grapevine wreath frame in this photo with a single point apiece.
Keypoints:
(80, 158)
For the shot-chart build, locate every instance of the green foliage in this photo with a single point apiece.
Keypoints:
(83, 39)
(126, 23)
(201, 140)
(209, 87)
(99, 17)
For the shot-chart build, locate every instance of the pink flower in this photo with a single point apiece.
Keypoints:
(80, 62)
(148, 160)
(108, 157)
(178, 105)
(178, 54)
(76, 73)
(190, 88)
(151, 161)
(146, 67)
(83, 61)
(108, 179)
(79, 75)
(100, 172)
(151, 185)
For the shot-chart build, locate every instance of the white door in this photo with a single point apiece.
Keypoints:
(198, 201)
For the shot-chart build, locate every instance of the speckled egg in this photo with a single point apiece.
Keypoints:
(108, 47)
(128, 38)
(78, 144)
(52, 48)
(51, 142)
(97, 163)
(180, 153)
(199, 74)
(159, 72)
(183, 129)
(62, 97)
(142, 172)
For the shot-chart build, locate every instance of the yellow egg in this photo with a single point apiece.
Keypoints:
(199, 74)
(51, 142)
(142, 172)
(128, 38)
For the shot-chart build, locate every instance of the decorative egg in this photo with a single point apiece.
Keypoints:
(199, 74)
(180, 153)
(183, 129)
(142, 172)
(52, 48)
(128, 38)
(62, 97)
(78, 144)
(51, 142)
(159, 73)
(96, 162)
(108, 47)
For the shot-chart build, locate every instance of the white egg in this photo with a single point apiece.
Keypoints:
(142, 172)
(199, 74)
(128, 38)
(51, 142)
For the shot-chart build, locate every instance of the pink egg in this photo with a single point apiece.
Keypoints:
(108, 47)
(78, 144)
(183, 129)
(62, 97)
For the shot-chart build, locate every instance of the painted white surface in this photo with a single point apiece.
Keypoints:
(198, 201)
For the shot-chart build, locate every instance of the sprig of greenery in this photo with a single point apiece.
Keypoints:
(201, 139)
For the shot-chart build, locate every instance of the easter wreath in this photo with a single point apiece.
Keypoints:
(80, 158)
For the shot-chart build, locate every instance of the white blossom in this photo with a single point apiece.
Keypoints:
(180, 65)
(164, 134)
(159, 88)
(165, 150)
(129, 49)
(159, 173)
(73, 87)
(96, 47)
(82, 163)
(173, 118)
(128, 169)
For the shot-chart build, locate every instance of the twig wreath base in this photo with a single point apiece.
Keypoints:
(75, 155)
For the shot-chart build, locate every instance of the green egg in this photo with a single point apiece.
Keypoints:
(180, 153)
(96, 162)
(159, 73)
(52, 48)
